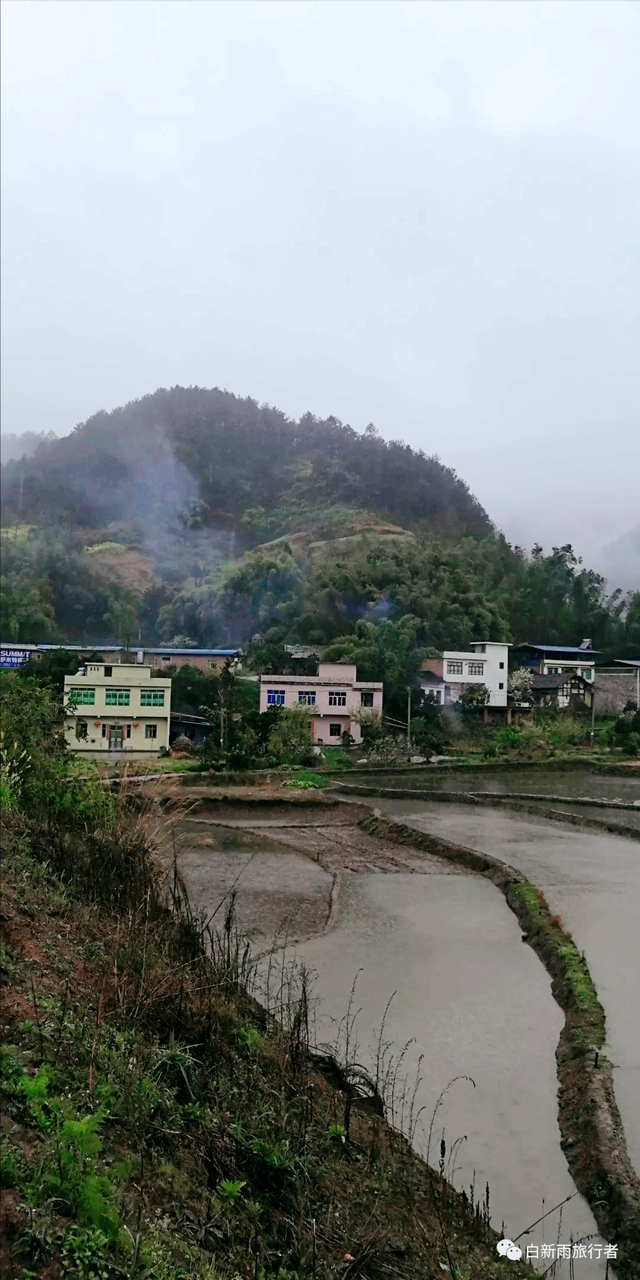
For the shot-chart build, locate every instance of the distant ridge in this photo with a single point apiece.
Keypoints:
(215, 459)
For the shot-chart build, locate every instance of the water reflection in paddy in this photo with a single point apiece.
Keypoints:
(476, 1002)
(593, 881)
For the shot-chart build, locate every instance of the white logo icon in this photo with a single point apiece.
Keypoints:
(507, 1249)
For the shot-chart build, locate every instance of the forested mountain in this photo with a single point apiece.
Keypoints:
(212, 456)
(194, 513)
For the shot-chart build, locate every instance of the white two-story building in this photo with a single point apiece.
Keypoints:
(486, 662)
(332, 698)
(117, 708)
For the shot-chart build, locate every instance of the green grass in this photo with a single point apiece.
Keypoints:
(588, 1027)
(99, 548)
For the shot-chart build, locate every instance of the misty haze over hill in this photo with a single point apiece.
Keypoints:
(215, 459)
(420, 215)
(13, 447)
(196, 513)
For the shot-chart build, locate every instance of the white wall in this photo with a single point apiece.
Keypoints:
(495, 660)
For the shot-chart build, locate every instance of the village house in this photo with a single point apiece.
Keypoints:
(334, 698)
(117, 708)
(486, 662)
(567, 691)
(558, 659)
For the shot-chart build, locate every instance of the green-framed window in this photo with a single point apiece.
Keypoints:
(117, 697)
(82, 697)
(152, 697)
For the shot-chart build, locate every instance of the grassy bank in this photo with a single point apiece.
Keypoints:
(158, 1121)
(590, 1125)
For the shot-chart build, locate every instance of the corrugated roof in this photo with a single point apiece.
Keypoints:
(136, 648)
(84, 648)
(181, 718)
(556, 682)
(195, 653)
(557, 648)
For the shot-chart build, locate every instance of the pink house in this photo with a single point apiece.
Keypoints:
(333, 698)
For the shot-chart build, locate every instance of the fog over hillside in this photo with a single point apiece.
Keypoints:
(418, 215)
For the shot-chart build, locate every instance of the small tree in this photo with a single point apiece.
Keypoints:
(182, 642)
(124, 614)
(290, 739)
(521, 685)
(474, 697)
(370, 721)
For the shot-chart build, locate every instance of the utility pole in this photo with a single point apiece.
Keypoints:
(409, 715)
(593, 711)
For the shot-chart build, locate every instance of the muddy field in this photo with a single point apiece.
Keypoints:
(470, 1000)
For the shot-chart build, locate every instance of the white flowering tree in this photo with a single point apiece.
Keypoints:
(521, 685)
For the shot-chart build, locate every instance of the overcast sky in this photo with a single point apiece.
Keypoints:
(424, 215)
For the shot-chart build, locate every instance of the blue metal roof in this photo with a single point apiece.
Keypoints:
(83, 648)
(557, 648)
(196, 653)
(118, 648)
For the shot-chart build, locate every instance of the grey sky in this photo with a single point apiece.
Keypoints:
(423, 214)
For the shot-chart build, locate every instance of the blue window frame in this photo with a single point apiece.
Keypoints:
(275, 697)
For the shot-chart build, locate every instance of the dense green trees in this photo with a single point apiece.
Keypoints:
(316, 594)
(208, 458)
(262, 531)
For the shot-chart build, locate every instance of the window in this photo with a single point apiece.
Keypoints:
(476, 668)
(117, 697)
(84, 697)
(501, 665)
(454, 668)
(335, 730)
(108, 671)
(337, 699)
(586, 673)
(275, 697)
(501, 685)
(151, 731)
(152, 697)
(307, 697)
(366, 698)
(81, 729)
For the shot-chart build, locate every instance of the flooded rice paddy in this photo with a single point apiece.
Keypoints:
(571, 783)
(593, 881)
(470, 998)
(582, 793)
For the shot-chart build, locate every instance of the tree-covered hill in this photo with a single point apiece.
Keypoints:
(196, 514)
(219, 460)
